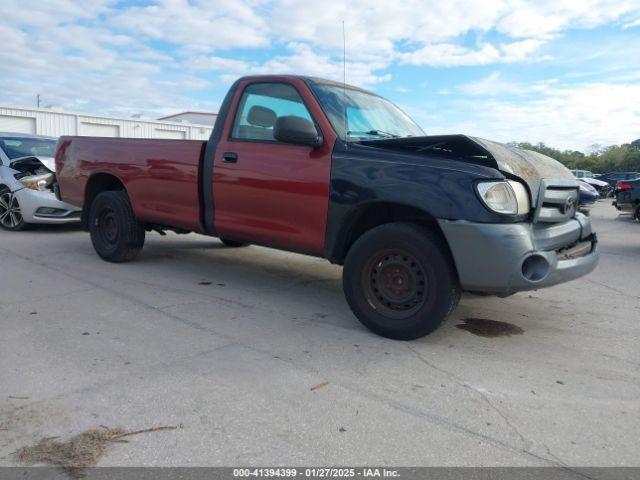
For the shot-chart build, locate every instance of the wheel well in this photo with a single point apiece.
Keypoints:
(98, 183)
(373, 215)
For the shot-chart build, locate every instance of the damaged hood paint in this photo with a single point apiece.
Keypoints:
(531, 167)
(48, 162)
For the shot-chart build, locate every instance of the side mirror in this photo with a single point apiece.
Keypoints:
(296, 130)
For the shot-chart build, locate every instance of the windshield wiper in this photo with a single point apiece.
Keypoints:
(379, 133)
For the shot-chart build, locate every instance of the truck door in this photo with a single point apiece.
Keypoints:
(265, 191)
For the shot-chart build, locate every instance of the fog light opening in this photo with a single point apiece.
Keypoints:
(535, 268)
(50, 212)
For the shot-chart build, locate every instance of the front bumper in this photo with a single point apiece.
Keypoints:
(43, 207)
(506, 258)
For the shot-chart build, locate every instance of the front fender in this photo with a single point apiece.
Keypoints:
(7, 177)
(440, 188)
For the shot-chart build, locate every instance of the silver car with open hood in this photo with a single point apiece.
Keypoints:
(27, 177)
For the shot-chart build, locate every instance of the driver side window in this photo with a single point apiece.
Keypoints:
(261, 105)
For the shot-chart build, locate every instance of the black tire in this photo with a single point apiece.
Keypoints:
(115, 233)
(232, 243)
(636, 213)
(10, 213)
(400, 281)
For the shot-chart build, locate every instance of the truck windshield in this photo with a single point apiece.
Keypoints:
(25, 147)
(367, 116)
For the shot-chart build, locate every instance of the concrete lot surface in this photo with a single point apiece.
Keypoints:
(228, 345)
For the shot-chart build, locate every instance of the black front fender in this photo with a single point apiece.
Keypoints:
(431, 186)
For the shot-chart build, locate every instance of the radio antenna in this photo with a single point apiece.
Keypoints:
(344, 84)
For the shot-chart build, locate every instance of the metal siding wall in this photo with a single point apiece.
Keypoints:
(56, 124)
(14, 123)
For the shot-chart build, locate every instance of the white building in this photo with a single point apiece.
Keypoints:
(40, 121)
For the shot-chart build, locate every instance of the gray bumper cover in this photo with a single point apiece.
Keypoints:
(31, 200)
(489, 257)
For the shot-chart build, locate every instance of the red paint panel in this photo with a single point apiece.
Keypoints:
(276, 194)
(161, 176)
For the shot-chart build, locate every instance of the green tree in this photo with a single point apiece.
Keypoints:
(614, 158)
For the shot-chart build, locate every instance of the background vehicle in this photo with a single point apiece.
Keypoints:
(26, 183)
(316, 167)
(582, 173)
(628, 197)
(614, 177)
(588, 196)
(602, 187)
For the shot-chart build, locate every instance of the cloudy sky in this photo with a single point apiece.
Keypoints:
(566, 72)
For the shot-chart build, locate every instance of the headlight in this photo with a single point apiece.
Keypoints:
(37, 182)
(506, 197)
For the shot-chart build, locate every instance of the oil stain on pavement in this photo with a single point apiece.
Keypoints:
(484, 327)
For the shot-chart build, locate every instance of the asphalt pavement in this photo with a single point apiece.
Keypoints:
(254, 356)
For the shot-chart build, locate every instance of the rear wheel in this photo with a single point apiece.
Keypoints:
(10, 212)
(399, 281)
(115, 233)
(232, 243)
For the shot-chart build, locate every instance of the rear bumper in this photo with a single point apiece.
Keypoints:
(506, 258)
(624, 206)
(43, 207)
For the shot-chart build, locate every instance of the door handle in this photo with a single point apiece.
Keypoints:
(229, 157)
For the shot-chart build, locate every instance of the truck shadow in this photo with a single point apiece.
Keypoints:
(299, 288)
(36, 228)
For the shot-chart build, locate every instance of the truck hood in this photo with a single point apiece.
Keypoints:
(529, 166)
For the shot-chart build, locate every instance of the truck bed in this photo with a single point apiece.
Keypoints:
(160, 176)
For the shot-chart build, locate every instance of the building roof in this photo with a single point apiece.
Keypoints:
(24, 135)
(187, 113)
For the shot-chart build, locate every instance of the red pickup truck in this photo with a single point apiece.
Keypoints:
(321, 168)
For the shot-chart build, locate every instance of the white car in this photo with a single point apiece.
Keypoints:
(603, 188)
(27, 174)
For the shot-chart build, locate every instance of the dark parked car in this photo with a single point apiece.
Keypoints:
(588, 196)
(628, 197)
(614, 177)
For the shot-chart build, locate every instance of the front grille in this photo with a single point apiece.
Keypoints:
(557, 202)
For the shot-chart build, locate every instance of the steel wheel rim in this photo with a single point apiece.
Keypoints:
(395, 283)
(107, 227)
(10, 213)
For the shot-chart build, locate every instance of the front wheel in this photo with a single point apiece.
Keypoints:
(10, 212)
(115, 233)
(399, 281)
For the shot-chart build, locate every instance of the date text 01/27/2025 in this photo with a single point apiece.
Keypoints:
(368, 472)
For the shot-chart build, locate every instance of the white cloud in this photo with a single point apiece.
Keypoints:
(105, 56)
(565, 117)
(543, 18)
(453, 55)
(83, 66)
(300, 58)
(216, 63)
(196, 25)
(521, 51)
(303, 59)
(635, 23)
(376, 26)
(449, 55)
(494, 85)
